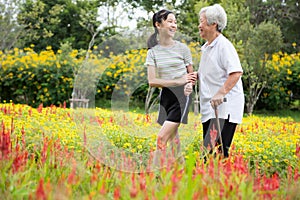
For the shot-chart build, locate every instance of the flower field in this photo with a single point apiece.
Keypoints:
(60, 153)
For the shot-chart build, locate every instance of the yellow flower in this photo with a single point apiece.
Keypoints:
(126, 145)
(109, 74)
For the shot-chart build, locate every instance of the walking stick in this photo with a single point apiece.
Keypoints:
(219, 128)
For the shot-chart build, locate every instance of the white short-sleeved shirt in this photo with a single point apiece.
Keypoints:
(170, 61)
(218, 60)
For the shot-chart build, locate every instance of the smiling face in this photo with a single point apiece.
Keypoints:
(168, 27)
(206, 31)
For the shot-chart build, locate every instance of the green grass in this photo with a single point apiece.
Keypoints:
(295, 114)
(134, 106)
(138, 107)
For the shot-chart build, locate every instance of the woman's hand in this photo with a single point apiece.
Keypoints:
(192, 77)
(217, 100)
(188, 89)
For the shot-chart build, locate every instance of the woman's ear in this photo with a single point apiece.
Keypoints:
(157, 25)
(215, 25)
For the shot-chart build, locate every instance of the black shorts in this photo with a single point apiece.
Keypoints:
(174, 105)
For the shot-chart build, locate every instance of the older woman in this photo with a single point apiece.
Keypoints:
(219, 78)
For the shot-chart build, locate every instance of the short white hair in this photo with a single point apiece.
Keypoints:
(215, 14)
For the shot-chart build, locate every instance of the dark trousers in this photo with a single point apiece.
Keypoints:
(228, 129)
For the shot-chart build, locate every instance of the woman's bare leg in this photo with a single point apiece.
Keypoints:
(166, 133)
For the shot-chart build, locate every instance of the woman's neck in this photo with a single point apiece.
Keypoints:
(166, 42)
(213, 37)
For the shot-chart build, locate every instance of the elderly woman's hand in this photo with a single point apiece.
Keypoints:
(217, 100)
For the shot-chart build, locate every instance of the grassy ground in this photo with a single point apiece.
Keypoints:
(295, 114)
(138, 107)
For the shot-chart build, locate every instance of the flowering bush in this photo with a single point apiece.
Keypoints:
(28, 77)
(284, 70)
(49, 78)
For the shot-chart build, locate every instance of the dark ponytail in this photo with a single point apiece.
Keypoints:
(157, 17)
(152, 41)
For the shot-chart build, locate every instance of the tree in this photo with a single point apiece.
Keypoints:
(10, 30)
(253, 45)
(149, 5)
(38, 20)
(284, 13)
(62, 21)
(55, 22)
(187, 20)
(266, 39)
(188, 16)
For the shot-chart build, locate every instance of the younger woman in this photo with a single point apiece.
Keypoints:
(169, 62)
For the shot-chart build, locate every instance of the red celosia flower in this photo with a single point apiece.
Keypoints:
(111, 119)
(240, 165)
(20, 159)
(117, 194)
(5, 142)
(133, 191)
(40, 108)
(213, 136)
(211, 168)
(195, 126)
(160, 146)
(196, 196)
(45, 149)
(296, 175)
(142, 181)
(72, 175)
(148, 118)
(40, 192)
(227, 166)
(221, 194)
(84, 137)
(103, 190)
(100, 121)
(23, 137)
(298, 150)
(30, 112)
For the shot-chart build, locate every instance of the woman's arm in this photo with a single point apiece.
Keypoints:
(156, 82)
(232, 79)
(189, 68)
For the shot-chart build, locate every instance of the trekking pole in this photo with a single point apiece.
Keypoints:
(186, 106)
(218, 127)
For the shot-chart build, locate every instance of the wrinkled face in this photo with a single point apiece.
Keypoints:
(205, 30)
(168, 27)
